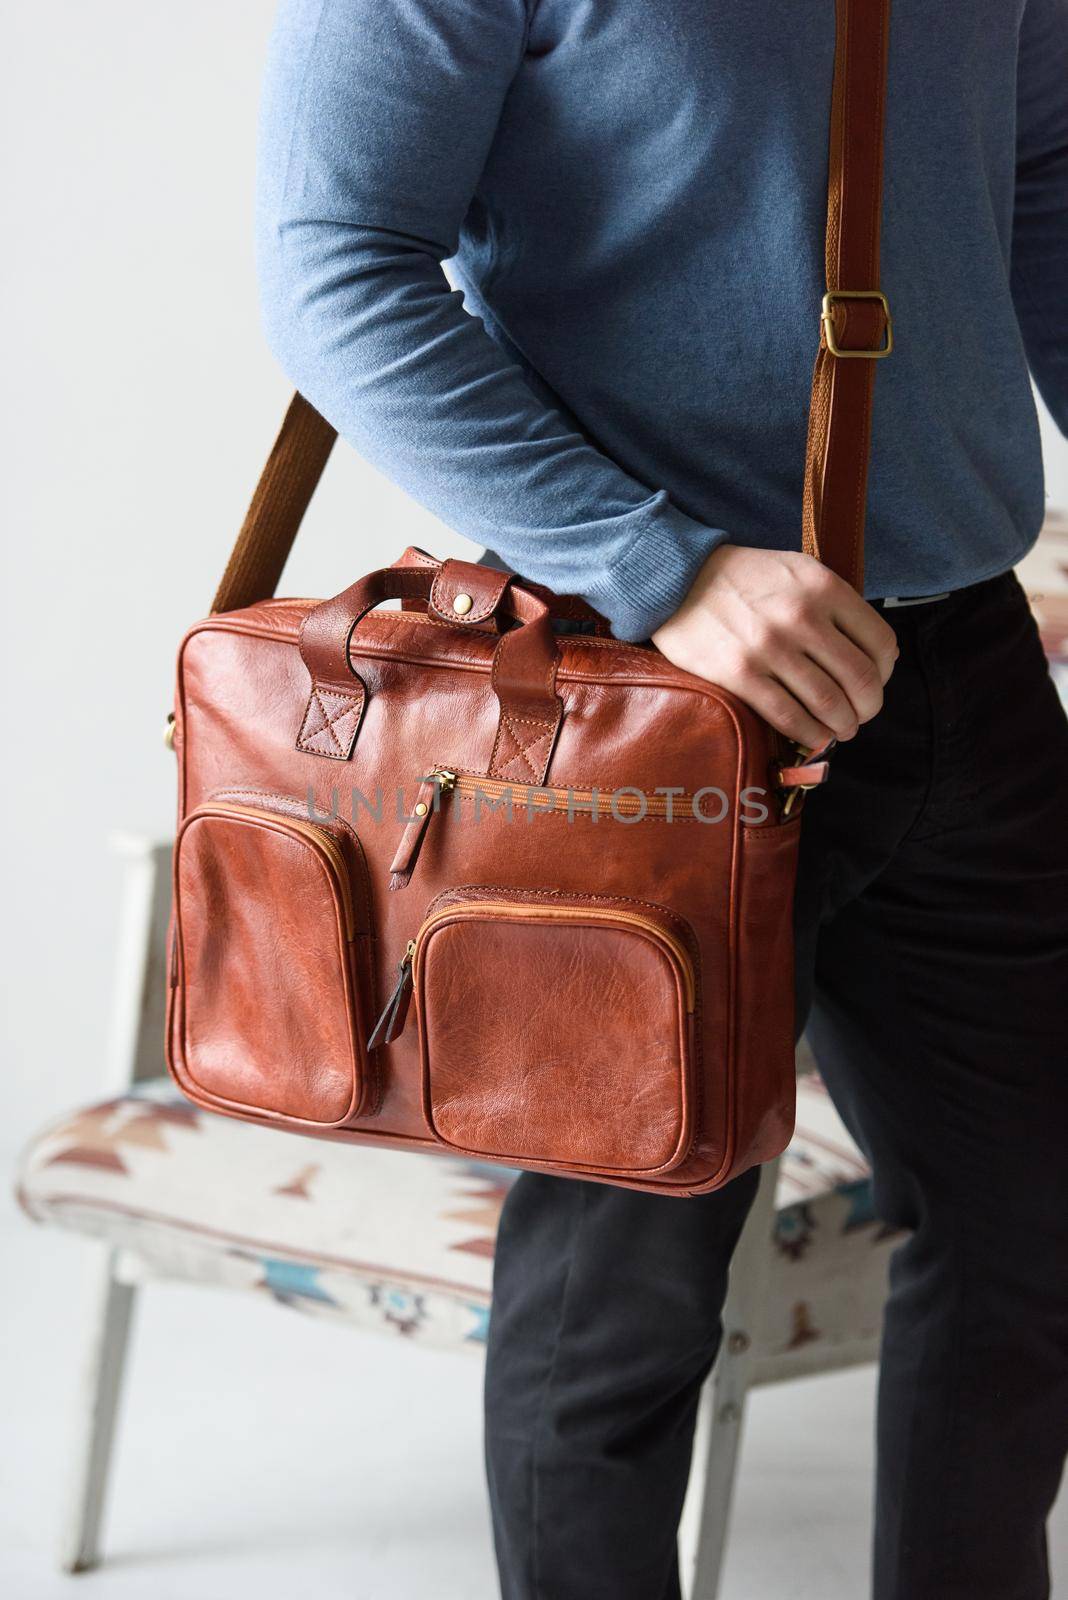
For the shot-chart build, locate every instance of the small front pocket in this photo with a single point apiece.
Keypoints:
(266, 960)
(558, 1029)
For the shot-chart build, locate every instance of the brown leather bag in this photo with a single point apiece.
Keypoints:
(586, 891)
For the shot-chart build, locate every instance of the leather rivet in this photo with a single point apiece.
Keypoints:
(462, 604)
(421, 809)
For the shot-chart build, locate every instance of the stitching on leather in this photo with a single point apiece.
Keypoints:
(252, 629)
(503, 891)
(425, 620)
(388, 651)
(582, 640)
(352, 705)
(525, 747)
(439, 591)
(315, 699)
(500, 762)
(261, 794)
(497, 739)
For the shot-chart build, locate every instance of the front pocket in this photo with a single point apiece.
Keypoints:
(267, 953)
(558, 1029)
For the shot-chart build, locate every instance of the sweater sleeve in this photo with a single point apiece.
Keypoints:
(377, 119)
(1040, 227)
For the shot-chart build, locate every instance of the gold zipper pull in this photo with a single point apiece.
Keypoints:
(390, 1024)
(427, 804)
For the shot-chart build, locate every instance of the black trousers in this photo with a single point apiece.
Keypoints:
(932, 937)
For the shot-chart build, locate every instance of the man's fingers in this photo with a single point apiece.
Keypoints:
(853, 669)
(788, 637)
(775, 703)
(822, 697)
(867, 629)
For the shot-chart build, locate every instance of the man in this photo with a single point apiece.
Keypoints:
(634, 195)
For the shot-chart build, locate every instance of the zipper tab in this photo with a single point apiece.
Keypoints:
(390, 1024)
(427, 803)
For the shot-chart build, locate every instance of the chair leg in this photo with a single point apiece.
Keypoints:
(134, 1053)
(722, 1411)
(104, 1361)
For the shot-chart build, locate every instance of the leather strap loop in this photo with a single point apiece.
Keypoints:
(562, 607)
(523, 675)
(466, 593)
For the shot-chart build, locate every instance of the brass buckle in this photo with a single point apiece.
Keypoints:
(802, 757)
(790, 797)
(827, 318)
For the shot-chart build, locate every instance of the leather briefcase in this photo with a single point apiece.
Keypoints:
(447, 878)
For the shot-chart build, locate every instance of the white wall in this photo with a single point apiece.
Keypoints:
(141, 400)
(138, 400)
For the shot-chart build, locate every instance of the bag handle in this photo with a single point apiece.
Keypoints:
(564, 607)
(523, 675)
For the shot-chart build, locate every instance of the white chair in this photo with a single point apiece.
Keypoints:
(153, 1178)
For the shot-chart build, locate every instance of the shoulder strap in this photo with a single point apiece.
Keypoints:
(276, 512)
(855, 332)
(855, 327)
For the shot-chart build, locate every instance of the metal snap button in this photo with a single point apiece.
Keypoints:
(462, 604)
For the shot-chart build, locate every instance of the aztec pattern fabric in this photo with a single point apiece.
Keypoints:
(398, 1242)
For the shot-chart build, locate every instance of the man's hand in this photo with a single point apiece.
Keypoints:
(788, 637)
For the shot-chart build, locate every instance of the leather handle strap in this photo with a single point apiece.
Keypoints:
(855, 328)
(523, 675)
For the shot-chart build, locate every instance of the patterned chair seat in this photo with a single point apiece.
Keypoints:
(385, 1239)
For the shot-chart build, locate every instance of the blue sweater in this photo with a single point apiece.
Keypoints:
(632, 193)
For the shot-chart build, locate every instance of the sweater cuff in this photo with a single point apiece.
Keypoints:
(647, 584)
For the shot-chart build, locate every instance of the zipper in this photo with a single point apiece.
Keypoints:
(442, 780)
(541, 913)
(390, 1024)
(438, 781)
(598, 803)
(318, 837)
